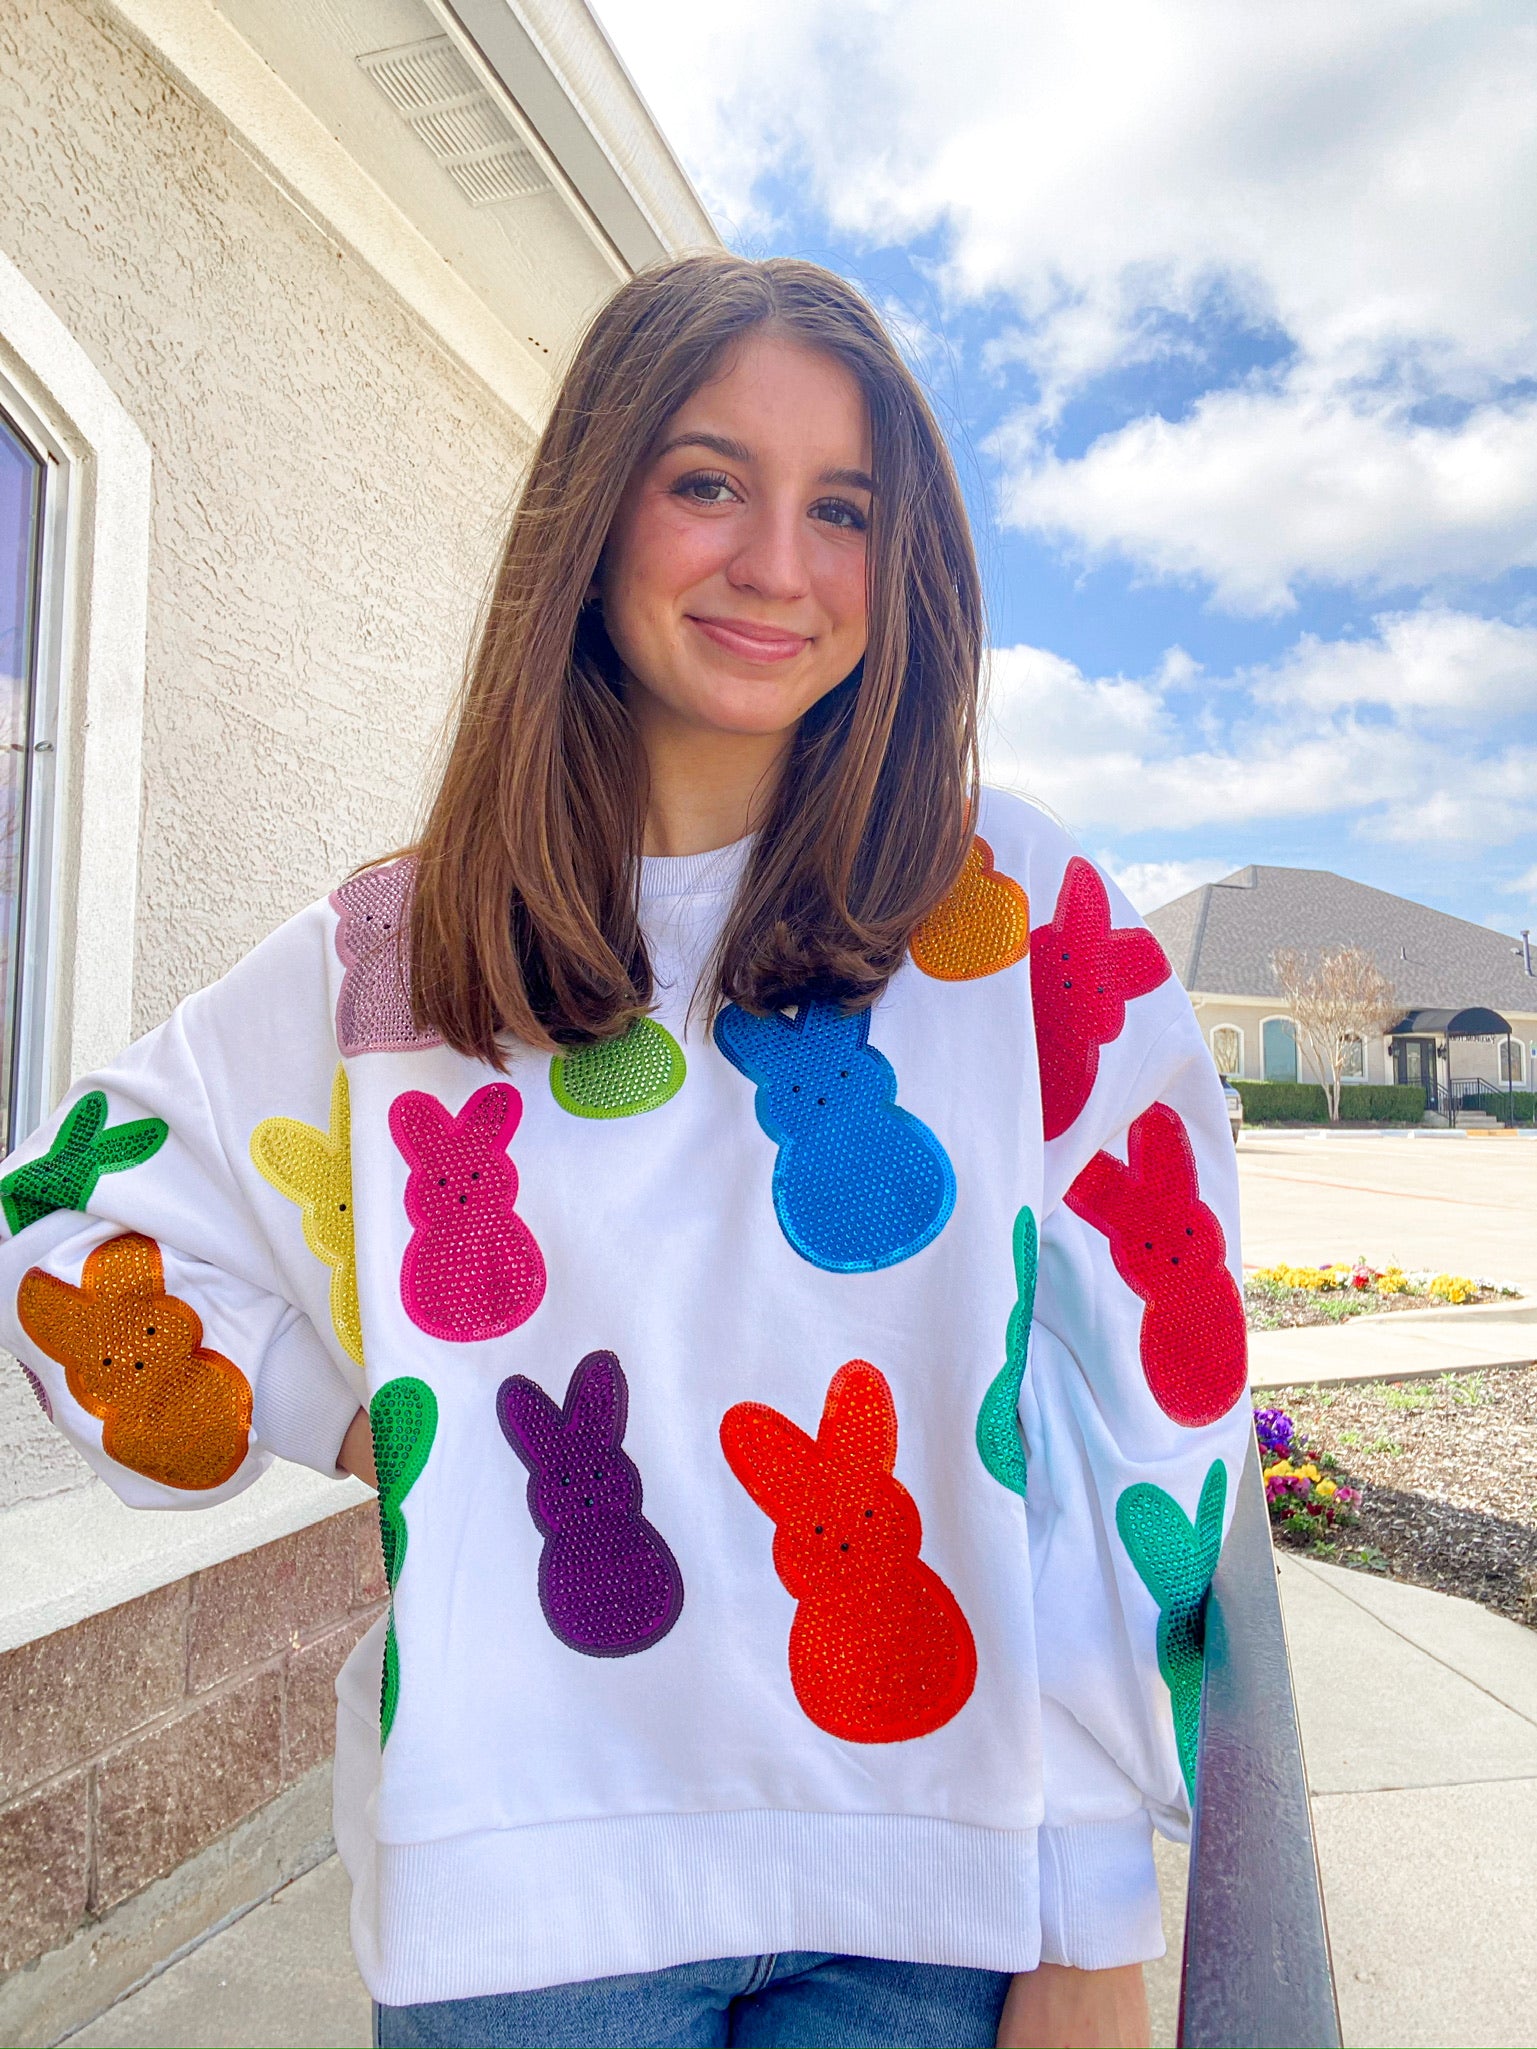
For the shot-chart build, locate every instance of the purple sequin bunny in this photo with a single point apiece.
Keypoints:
(608, 1584)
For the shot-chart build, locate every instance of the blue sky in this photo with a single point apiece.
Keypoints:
(1231, 316)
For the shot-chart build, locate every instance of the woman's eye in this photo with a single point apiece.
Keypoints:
(838, 512)
(705, 487)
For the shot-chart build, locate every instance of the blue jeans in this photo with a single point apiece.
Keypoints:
(797, 2000)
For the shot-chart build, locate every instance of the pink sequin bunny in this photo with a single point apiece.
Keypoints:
(373, 1008)
(472, 1269)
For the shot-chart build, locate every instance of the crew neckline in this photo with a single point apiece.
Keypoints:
(716, 872)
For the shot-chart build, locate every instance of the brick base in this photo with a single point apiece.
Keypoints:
(141, 1736)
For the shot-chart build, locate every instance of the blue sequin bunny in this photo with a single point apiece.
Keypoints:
(859, 1182)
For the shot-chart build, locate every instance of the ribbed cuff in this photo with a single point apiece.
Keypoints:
(303, 1402)
(1099, 1894)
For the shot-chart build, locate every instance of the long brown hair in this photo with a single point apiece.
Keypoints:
(525, 914)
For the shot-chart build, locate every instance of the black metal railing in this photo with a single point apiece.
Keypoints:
(1497, 1097)
(1257, 1973)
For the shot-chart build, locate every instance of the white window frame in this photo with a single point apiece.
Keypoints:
(1237, 1031)
(1360, 1074)
(1515, 1079)
(29, 1057)
(82, 896)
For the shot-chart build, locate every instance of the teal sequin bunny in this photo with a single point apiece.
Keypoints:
(1175, 1560)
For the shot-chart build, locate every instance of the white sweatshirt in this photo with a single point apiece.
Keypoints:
(803, 1448)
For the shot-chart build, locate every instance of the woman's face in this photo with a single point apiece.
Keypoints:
(733, 582)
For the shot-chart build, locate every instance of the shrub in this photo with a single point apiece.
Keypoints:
(1283, 1102)
(1304, 1102)
(1368, 1102)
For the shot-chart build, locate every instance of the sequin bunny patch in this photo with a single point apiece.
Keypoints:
(1083, 973)
(314, 1169)
(39, 1392)
(1175, 1560)
(133, 1356)
(373, 1006)
(84, 1147)
(982, 927)
(608, 1584)
(998, 1439)
(1168, 1247)
(472, 1269)
(624, 1077)
(880, 1651)
(404, 1419)
(859, 1183)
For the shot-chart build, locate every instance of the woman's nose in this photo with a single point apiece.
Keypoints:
(772, 558)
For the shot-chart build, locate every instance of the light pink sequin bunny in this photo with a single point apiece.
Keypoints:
(472, 1269)
(373, 1009)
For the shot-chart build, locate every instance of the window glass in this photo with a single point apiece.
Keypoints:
(21, 505)
(1512, 1066)
(1280, 1049)
(1227, 1049)
(1353, 1065)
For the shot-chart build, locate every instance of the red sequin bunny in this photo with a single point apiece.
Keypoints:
(879, 1649)
(1168, 1248)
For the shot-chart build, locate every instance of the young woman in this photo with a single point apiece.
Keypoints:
(790, 1299)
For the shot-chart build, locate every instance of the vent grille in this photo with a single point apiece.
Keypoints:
(456, 119)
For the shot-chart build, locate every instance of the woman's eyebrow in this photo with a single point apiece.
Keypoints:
(738, 451)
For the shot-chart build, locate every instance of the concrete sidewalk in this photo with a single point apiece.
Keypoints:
(1419, 1716)
(1397, 1344)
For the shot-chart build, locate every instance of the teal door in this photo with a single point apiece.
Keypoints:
(1280, 1049)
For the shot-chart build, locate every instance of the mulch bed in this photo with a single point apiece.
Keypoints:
(1269, 1308)
(1447, 1472)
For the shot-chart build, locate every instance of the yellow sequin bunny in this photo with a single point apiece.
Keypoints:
(314, 1169)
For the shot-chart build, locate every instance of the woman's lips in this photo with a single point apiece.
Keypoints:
(752, 643)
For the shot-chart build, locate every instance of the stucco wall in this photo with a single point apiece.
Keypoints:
(328, 488)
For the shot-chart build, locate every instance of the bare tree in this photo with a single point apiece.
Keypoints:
(1335, 996)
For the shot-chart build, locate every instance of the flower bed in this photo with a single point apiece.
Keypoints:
(1442, 1471)
(1285, 1297)
(1303, 1495)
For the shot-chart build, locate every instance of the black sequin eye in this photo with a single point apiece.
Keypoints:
(819, 1529)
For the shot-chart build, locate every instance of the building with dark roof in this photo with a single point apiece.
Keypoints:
(1222, 940)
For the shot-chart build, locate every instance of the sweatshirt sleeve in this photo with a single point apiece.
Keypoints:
(159, 1277)
(1134, 1406)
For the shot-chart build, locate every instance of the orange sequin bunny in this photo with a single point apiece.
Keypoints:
(132, 1355)
(879, 1649)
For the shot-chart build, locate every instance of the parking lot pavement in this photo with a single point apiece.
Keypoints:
(1457, 1203)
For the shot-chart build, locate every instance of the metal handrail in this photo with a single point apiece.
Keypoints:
(1257, 1973)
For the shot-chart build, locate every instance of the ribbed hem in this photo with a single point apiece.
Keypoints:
(303, 1403)
(1099, 1894)
(509, 1909)
(715, 873)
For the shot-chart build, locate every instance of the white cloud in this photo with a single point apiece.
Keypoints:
(1151, 884)
(1258, 489)
(1109, 754)
(1454, 666)
(1355, 174)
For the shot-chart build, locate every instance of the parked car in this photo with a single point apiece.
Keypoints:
(1234, 1107)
